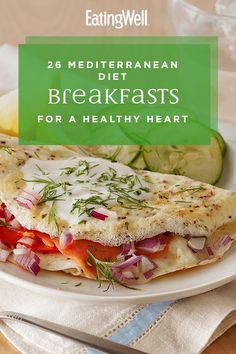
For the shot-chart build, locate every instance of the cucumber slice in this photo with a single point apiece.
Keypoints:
(121, 153)
(221, 142)
(203, 163)
(138, 162)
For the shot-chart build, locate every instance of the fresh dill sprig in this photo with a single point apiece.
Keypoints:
(111, 176)
(125, 199)
(41, 170)
(78, 284)
(68, 170)
(86, 167)
(83, 167)
(125, 188)
(103, 270)
(51, 190)
(53, 218)
(86, 205)
(193, 189)
(122, 188)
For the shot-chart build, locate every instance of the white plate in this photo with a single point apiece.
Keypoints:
(170, 287)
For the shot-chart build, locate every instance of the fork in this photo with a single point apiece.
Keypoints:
(93, 341)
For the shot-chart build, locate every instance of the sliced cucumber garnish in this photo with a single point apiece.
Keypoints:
(221, 142)
(203, 163)
(121, 153)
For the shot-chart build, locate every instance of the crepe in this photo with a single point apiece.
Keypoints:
(126, 208)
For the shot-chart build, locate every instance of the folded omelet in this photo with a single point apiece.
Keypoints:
(103, 220)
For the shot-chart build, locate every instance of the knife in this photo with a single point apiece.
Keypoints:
(88, 339)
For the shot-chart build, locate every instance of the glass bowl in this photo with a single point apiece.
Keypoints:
(210, 18)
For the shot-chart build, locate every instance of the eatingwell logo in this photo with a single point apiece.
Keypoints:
(118, 20)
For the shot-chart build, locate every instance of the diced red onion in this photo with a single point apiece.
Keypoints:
(196, 243)
(4, 254)
(24, 203)
(5, 214)
(8, 215)
(36, 257)
(210, 251)
(21, 251)
(15, 224)
(25, 251)
(147, 265)
(27, 200)
(29, 262)
(128, 249)
(65, 239)
(33, 267)
(148, 275)
(30, 196)
(117, 274)
(133, 260)
(224, 240)
(19, 245)
(122, 276)
(95, 214)
(26, 241)
(128, 274)
(109, 213)
(152, 244)
(123, 271)
(4, 251)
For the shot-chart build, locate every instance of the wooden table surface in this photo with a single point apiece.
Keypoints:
(226, 344)
(53, 17)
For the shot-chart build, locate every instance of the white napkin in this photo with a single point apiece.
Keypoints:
(184, 327)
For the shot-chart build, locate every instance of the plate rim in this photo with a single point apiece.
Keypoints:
(144, 298)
